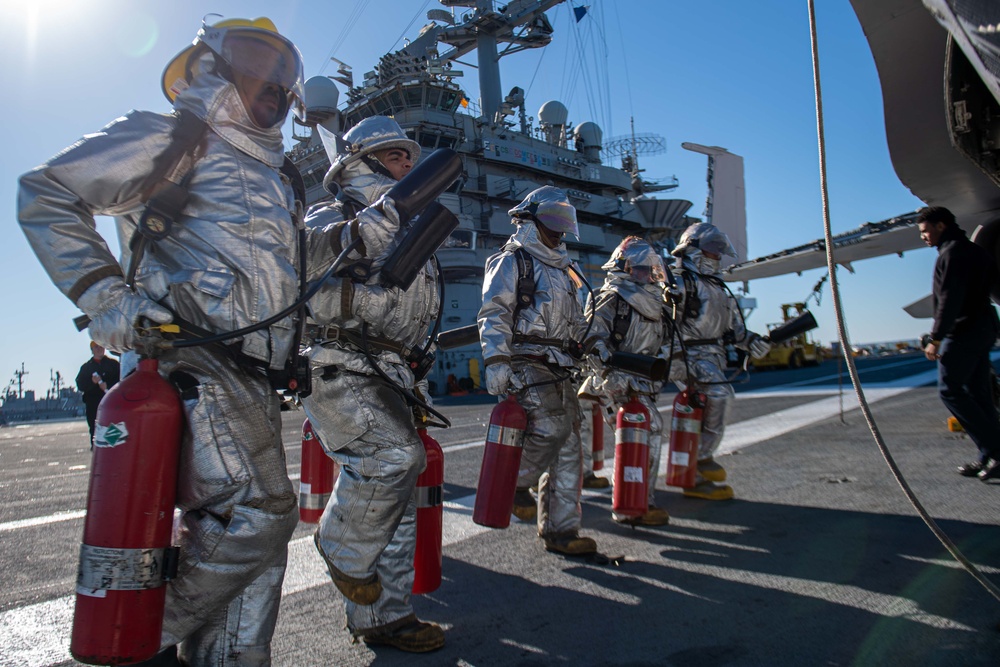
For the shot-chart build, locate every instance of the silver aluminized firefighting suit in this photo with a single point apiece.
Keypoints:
(530, 346)
(230, 261)
(704, 312)
(369, 526)
(646, 334)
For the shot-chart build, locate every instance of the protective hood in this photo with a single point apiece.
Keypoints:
(704, 236)
(371, 135)
(646, 298)
(695, 260)
(636, 260)
(527, 237)
(551, 207)
(217, 102)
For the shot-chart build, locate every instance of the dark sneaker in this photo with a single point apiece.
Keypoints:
(359, 591)
(570, 544)
(991, 470)
(415, 636)
(970, 469)
(592, 481)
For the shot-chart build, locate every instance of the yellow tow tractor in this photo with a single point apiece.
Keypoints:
(796, 352)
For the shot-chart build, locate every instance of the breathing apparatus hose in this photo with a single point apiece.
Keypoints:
(83, 321)
(299, 303)
(408, 395)
(590, 322)
(845, 341)
(741, 376)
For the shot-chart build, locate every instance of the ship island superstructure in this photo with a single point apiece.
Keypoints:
(506, 154)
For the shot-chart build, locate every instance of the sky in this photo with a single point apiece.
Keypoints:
(726, 73)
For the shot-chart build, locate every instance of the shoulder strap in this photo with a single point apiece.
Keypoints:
(692, 304)
(525, 281)
(294, 177)
(165, 189)
(349, 207)
(619, 326)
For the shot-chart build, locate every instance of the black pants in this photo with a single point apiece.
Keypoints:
(966, 388)
(91, 420)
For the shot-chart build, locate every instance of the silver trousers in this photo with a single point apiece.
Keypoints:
(552, 456)
(238, 513)
(711, 380)
(369, 525)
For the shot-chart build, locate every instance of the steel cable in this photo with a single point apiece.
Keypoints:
(842, 332)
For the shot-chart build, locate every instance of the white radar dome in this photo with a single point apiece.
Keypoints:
(322, 97)
(589, 133)
(553, 112)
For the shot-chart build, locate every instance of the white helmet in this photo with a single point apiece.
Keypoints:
(375, 133)
(550, 206)
(636, 258)
(705, 237)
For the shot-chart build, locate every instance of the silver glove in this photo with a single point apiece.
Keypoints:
(378, 225)
(759, 346)
(500, 379)
(115, 311)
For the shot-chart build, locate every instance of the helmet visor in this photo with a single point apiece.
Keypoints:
(559, 218)
(717, 244)
(646, 273)
(261, 54)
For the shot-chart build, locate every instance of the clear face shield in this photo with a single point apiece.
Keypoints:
(638, 260)
(646, 273)
(550, 206)
(705, 237)
(263, 55)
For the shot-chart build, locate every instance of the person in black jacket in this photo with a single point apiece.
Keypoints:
(965, 328)
(95, 378)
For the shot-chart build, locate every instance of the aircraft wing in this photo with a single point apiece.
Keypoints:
(872, 239)
(939, 70)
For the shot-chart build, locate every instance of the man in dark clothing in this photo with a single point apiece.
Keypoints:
(94, 379)
(965, 328)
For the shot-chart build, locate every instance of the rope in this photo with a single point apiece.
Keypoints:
(844, 341)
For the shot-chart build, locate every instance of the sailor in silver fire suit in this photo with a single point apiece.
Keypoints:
(367, 533)
(229, 262)
(630, 317)
(531, 343)
(707, 316)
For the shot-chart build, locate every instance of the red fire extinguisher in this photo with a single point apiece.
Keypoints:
(126, 556)
(319, 473)
(631, 490)
(501, 461)
(430, 518)
(685, 437)
(597, 435)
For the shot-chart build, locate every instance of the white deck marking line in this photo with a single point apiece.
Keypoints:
(38, 634)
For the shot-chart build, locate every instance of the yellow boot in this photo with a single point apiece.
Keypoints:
(592, 481)
(711, 470)
(570, 544)
(709, 490)
(525, 507)
(654, 516)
